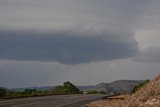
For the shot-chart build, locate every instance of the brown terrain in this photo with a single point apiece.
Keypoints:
(148, 96)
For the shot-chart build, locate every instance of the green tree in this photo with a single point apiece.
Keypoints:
(29, 91)
(67, 87)
(70, 87)
(57, 90)
(3, 92)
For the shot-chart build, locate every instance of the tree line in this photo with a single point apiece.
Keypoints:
(66, 88)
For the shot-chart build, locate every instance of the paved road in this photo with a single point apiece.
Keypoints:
(51, 101)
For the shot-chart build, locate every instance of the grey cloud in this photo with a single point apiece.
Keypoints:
(151, 55)
(65, 47)
(55, 14)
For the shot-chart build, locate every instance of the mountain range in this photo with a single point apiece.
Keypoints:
(118, 87)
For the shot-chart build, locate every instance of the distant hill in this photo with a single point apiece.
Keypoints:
(47, 88)
(118, 87)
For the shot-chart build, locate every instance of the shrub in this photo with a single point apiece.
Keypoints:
(140, 85)
(3, 92)
(29, 91)
(67, 87)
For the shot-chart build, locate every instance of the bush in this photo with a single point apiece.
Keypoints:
(14, 93)
(29, 91)
(137, 87)
(95, 92)
(92, 92)
(66, 88)
(3, 92)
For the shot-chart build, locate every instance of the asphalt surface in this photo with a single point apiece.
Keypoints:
(52, 101)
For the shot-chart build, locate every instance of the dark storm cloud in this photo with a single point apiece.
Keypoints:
(65, 47)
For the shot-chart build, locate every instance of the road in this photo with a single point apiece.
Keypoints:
(51, 101)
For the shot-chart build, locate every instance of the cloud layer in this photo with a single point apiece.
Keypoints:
(66, 47)
(47, 15)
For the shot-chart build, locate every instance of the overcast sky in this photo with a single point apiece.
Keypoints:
(47, 42)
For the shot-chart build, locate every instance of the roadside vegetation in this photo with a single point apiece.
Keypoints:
(139, 86)
(66, 88)
(3, 92)
(95, 92)
(26, 92)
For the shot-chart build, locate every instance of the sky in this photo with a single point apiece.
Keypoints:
(86, 42)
